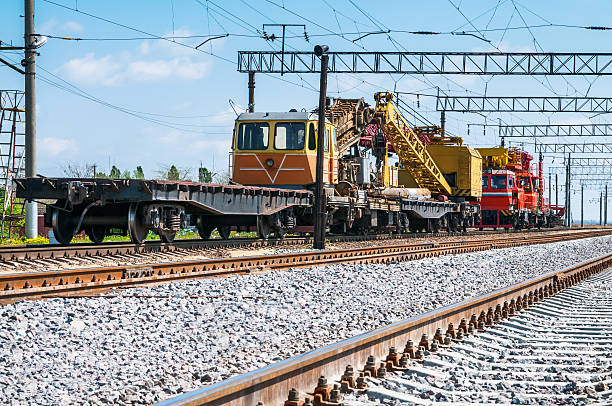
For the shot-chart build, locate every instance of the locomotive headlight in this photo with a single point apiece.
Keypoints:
(269, 162)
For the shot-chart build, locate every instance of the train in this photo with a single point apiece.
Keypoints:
(513, 191)
(380, 175)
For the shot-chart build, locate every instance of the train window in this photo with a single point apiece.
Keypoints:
(334, 139)
(511, 182)
(499, 182)
(326, 144)
(312, 137)
(290, 135)
(528, 185)
(485, 182)
(253, 136)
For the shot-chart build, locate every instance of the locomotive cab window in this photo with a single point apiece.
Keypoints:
(289, 135)
(485, 182)
(253, 136)
(499, 182)
(312, 137)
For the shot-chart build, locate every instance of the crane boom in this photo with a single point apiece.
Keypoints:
(411, 152)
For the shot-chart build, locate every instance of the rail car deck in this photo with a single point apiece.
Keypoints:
(213, 198)
(102, 206)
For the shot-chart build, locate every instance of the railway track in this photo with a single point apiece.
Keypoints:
(546, 340)
(94, 280)
(20, 253)
(556, 352)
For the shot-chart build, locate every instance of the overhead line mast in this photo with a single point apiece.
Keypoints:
(29, 62)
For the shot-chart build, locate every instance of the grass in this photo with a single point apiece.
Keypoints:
(82, 238)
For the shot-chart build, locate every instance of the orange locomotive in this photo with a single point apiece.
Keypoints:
(512, 192)
(288, 157)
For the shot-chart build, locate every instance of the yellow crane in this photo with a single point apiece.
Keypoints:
(411, 152)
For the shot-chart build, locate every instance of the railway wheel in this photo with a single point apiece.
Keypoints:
(63, 229)
(224, 231)
(204, 228)
(137, 229)
(263, 228)
(96, 233)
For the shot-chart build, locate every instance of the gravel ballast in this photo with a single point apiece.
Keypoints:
(139, 346)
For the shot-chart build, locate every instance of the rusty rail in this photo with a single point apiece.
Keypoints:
(310, 373)
(32, 285)
(44, 251)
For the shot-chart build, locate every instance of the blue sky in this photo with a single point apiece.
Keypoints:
(177, 99)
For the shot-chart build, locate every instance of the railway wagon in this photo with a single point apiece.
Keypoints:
(102, 207)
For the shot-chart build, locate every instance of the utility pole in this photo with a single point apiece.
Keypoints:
(581, 205)
(567, 208)
(31, 209)
(320, 220)
(273, 37)
(557, 189)
(600, 207)
(569, 190)
(606, 207)
(549, 188)
(251, 92)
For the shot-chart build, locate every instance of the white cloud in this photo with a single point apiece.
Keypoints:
(47, 27)
(72, 26)
(54, 27)
(92, 70)
(182, 68)
(226, 117)
(52, 146)
(113, 70)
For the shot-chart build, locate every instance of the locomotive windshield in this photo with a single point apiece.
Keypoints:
(499, 182)
(252, 136)
(290, 135)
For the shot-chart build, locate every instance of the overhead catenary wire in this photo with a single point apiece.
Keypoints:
(155, 36)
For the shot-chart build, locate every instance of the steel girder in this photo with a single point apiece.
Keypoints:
(471, 63)
(524, 104)
(555, 130)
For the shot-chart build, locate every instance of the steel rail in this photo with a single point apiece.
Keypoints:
(271, 385)
(13, 253)
(33, 285)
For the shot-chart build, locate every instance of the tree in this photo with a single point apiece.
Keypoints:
(78, 170)
(138, 173)
(115, 173)
(126, 175)
(172, 172)
(222, 178)
(204, 175)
